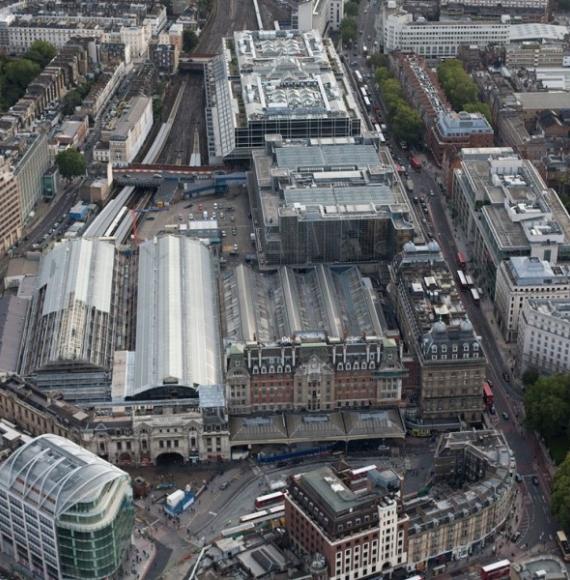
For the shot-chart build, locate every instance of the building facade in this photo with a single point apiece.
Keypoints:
(10, 216)
(289, 83)
(543, 341)
(321, 15)
(438, 331)
(480, 469)
(127, 133)
(66, 513)
(309, 345)
(357, 534)
(436, 40)
(506, 210)
(527, 10)
(125, 434)
(325, 201)
(28, 154)
(520, 279)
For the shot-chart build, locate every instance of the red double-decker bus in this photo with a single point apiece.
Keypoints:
(461, 261)
(488, 396)
(496, 571)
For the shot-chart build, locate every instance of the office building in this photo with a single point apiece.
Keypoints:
(521, 278)
(282, 82)
(439, 333)
(472, 496)
(314, 341)
(537, 54)
(358, 534)
(327, 200)
(66, 513)
(10, 216)
(127, 132)
(436, 40)
(543, 339)
(320, 15)
(28, 154)
(527, 10)
(77, 313)
(455, 131)
(506, 210)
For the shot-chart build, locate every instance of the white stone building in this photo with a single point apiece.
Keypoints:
(522, 278)
(544, 336)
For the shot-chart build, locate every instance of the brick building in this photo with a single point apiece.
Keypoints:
(359, 533)
(315, 341)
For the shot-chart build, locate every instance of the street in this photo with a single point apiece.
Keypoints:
(537, 526)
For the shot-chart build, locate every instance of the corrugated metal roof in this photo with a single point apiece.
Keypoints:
(178, 338)
(80, 269)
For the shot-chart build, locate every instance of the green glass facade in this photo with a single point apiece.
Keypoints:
(91, 551)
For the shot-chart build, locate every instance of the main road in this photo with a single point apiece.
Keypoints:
(538, 526)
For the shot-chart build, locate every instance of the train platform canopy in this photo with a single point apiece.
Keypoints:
(289, 428)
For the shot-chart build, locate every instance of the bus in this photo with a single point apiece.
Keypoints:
(416, 577)
(563, 544)
(462, 279)
(475, 295)
(415, 163)
(469, 280)
(461, 261)
(488, 396)
(382, 138)
(367, 103)
(358, 77)
(264, 501)
(363, 92)
(496, 571)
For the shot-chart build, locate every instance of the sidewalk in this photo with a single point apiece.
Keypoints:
(140, 557)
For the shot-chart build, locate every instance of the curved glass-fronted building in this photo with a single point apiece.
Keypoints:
(64, 512)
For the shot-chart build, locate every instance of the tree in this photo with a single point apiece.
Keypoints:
(560, 497)
(189, 40)
(547, 405)
(378, 60)
(21, 72)
(348, 30)
(41, 52)
(457, 84)
(479, 107)
(407, 124)
(351, 9)
(529, 377)
(71, 100)
(70, 163)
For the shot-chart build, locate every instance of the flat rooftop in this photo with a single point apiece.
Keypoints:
(330, 179)
(287, 74)
(430, 286)
(550, 100)
(558, 308)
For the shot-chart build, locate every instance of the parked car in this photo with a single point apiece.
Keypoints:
(505, 416)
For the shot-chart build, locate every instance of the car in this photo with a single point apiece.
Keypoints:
(505, 416)
(515, 537)
(234, 232)
(150, 218)
(492, 410)
(416, 199)
(518, 478)
(224, 234)
(232, 219)
(535, 480)
(224, 485)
